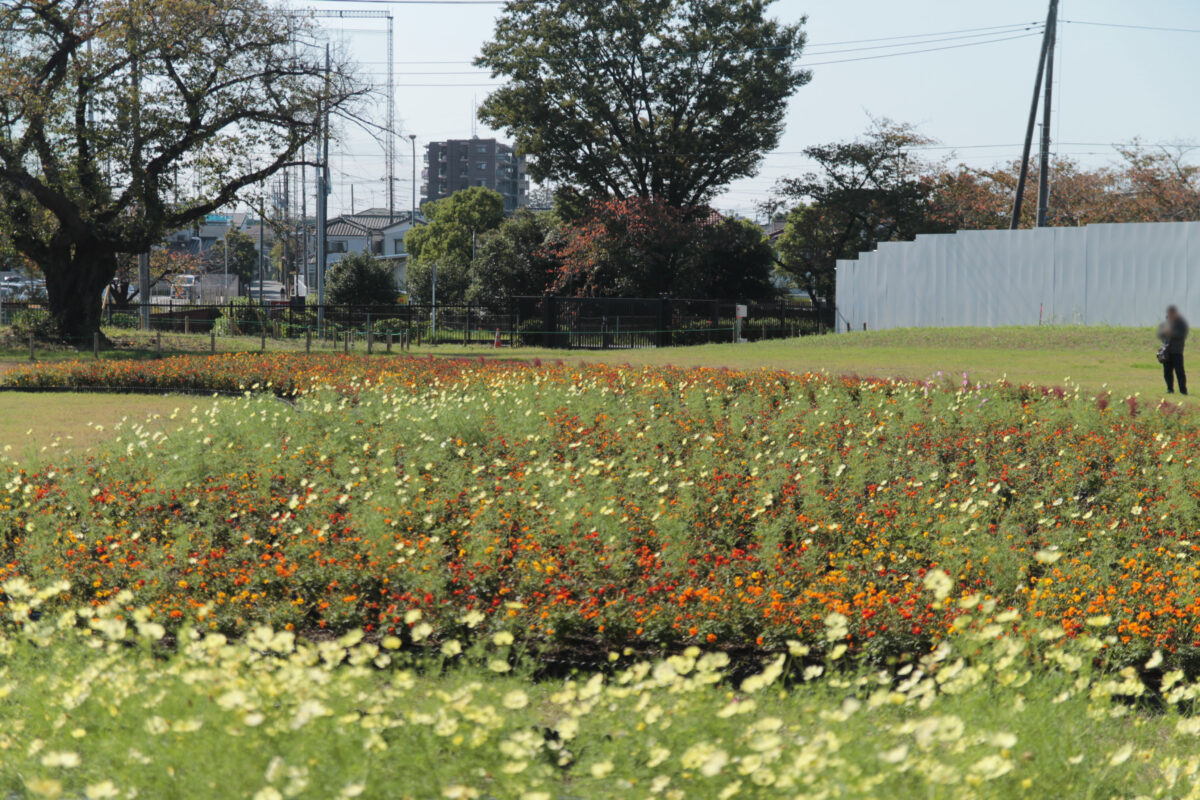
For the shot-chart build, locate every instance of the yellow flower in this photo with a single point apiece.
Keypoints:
(601, 768)
(44, 787)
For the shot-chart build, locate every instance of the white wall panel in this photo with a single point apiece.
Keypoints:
(1121, 274)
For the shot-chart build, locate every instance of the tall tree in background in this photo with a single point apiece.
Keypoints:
(449, 241)
(647, 248)
(1143, 185)
(243, 256)
(866, 191)
(662, 99)
(516, 259)
(108, 106)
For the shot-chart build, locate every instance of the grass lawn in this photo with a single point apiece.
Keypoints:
(1120, 358)
(31, 422)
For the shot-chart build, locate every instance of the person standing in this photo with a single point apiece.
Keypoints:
(1173, 332)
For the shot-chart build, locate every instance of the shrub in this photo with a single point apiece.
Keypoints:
(242, 318)
(123, 320)
(360, 279)
(35, 322)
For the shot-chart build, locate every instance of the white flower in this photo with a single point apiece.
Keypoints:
(64, 758)
(100, 791)
(515, 699)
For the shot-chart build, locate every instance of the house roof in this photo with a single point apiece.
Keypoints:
(340, 227)
(365, 223)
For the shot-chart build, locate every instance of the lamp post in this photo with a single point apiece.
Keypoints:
(412, 220)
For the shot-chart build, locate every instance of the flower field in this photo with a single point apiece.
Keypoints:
(96, 706)
(772, 583)
(600, 506)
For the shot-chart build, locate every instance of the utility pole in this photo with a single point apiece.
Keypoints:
(322, 198)
(262, 223)
(1044, 166)
(304, 213)
(1033, 108)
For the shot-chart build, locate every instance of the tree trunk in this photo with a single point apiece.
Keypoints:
(74, 286)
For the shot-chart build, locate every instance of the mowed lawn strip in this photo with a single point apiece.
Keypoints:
(79, 420)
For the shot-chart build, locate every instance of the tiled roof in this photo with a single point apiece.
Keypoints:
(338, 227)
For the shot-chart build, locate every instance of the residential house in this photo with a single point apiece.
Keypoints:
(374, 231)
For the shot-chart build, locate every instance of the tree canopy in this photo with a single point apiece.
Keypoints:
(121, 120)
(449, 241)
(516, 259)
(243, 256)
(360, 279)
(662, 99)
(869, 190)
(647, 248)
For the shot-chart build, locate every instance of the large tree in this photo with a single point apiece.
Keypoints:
(869, 190)
(662, 99)
(121, 120)
(515, 259)
(449, 242)
(647, 248)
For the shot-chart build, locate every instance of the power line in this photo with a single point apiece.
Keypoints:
(1130, 27)
(1011, 29)
(933, 33)
(802, 64)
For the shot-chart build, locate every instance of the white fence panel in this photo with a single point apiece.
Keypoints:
(1118, 274)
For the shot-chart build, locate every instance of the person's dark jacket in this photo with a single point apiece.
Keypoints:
(1173, 334)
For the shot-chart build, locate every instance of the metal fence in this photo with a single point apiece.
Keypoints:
(595, 323)
(546, 321)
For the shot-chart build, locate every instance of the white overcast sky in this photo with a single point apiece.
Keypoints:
(1111, 83)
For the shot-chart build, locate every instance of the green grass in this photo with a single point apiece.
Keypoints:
(35, 422)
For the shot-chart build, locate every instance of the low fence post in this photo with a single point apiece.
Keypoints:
(96, 344)
(187, 324)
(549, 318)
(467, 327)
(307, 340)
(212, 340)
(31, 356)
(346, 343)
(262, 335)
(663, 339)
(370, 341)
(158, 343)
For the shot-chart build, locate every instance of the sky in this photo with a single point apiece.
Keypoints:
(1112, 84)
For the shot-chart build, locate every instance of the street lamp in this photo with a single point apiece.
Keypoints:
(412, 220)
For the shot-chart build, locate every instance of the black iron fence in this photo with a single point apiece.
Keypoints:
(628, 323)
(545, 321)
